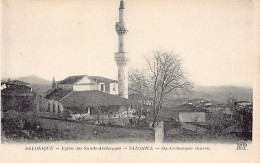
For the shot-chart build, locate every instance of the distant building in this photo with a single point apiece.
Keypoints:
(199, 102)
(242, 104)
(88, 83)
(215, 108)
(3, 85)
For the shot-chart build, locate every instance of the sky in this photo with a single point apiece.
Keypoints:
(215, 39)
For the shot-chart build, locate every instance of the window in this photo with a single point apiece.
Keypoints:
(53, 108)
(49, 107)
(114, 87)
(103, 87)
(59, 111)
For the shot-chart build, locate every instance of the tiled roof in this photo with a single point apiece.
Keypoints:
(100, 79)
(16, 89)
(16, 82)
(57, 94)
(73, 79)
(94, 98)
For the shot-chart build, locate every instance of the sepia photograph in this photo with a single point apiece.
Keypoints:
(129, 71)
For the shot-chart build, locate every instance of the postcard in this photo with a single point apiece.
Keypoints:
(130, 81)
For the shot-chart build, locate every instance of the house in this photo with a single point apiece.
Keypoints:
(16, 82)
(89, 105)
(18, 96)
(199, 102)
(184, 113)
(185, 117)
(191, 113)
(215, 108)
(88, 83)
(3, 85)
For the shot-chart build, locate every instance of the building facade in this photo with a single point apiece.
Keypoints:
(89, 83)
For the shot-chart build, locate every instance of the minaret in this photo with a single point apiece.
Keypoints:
(121, 56)
(54, 85)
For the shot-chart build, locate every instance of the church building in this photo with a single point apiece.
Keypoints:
(92, 96)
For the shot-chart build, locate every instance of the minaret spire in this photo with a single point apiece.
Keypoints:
(120, 56)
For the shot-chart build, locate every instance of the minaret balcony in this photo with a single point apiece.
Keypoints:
(121, 58)
(120, 28)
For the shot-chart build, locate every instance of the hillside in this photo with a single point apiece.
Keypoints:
(220, 94)
(35, 80)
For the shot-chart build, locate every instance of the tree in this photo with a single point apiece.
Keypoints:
(162, 74)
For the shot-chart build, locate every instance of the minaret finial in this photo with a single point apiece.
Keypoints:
(122, 4)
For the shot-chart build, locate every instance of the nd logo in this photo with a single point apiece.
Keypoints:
(241, 146)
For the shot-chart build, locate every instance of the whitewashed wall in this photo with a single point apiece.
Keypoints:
(54, 106)
(85, 87)
(113, 92)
